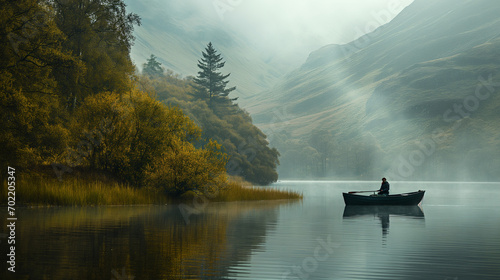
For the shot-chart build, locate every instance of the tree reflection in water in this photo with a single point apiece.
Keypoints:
(150, 242)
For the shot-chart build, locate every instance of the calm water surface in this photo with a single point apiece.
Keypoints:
(455, 234)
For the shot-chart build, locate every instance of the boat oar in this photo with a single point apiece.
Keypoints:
(362, 191)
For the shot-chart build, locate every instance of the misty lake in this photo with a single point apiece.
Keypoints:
(455, 234)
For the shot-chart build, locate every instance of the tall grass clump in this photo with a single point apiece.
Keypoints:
(241, 191)
(40, 190)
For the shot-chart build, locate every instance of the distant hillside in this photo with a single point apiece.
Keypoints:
(416, 99)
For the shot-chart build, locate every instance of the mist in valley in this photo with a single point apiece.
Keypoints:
(356, 90)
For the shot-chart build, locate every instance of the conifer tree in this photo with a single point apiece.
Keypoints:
(152, 67)
(210, 82)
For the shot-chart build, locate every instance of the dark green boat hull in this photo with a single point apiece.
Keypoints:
(412, 198)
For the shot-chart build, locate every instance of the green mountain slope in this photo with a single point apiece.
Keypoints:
(391, 99)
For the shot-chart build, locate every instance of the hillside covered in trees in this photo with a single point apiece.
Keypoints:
(71, 100)
(206, 101)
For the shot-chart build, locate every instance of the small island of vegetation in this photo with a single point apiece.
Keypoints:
(82, 127)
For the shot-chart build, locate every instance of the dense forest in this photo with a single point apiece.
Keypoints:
(71, 98)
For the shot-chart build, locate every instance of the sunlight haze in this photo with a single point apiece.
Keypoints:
(289, 30)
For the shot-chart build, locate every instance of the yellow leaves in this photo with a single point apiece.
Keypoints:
(30, 51)
(145, 142)
(184, 168)
(106, 105)
(29, 134)
(101, 42)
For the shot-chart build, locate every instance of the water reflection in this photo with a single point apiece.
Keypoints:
(459, 238)
(150, 242)
(382, 212)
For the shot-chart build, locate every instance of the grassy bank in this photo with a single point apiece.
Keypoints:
(42, 190)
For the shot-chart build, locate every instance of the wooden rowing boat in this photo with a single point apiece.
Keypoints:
(412, 198)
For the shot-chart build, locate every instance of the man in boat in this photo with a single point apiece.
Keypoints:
(384, 188)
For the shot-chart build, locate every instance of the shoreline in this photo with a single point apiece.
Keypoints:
(88, 190)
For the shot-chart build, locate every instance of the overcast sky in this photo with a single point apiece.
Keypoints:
(284, 27)
(301, 22)
(305, 25)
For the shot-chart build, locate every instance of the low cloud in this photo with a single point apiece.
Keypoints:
(279, 27)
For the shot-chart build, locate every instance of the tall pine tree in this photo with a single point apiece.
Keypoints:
(210, 82)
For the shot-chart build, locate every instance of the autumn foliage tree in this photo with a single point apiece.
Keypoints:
(30, 52)
(99, 34)
(146, 143)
